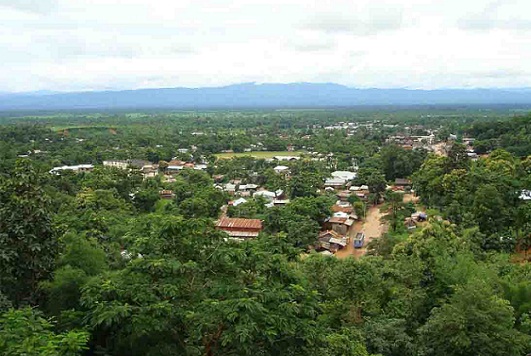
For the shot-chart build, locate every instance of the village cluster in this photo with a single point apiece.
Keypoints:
(338, 230)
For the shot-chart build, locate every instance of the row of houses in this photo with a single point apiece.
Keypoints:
(77, 168)
(235, 188)
(340, 180)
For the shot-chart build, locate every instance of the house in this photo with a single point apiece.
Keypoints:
(169, 179)
(472, 155)
(280, 202)
(330, 240)
(218, 178)
(200, 167)
(345, 175)
(287, 158)
(121, 164)
(79, 168)
(342, 208)
(238, 202)
(230, 188)
(176, 162)
(239, 228)
(525, 195)
(174, 168)
(337, 224)
(279, 194)
(247, 187)
(361, 192)
(139, 163)
(334, 183)
(344, 195)
(281, 169)
(401, 182)
(166, 194)
(126, 164)
(269, 196)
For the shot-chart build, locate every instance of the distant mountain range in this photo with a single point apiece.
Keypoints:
(250, 95)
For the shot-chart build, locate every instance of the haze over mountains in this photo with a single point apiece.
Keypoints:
(250, 95)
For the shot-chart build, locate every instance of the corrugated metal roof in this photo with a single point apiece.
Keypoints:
(242, 233)
(239, 223)
(330, 232)
(337, 220)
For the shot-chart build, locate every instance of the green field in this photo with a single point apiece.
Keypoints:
(259, 154)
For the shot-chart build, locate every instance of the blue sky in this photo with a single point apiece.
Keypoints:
(72, 45)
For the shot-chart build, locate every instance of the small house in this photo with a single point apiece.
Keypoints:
(335, 183)
(238, 202)
(78, 169)
(331, 240)
(281, 169)
(269, 196)
(166, 194)
(345, 175)
(401, 182)
(239, 228)
(230, 188)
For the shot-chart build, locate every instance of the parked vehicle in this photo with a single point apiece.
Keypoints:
(359, 240)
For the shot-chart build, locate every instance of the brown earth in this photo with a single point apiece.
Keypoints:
(372, 227)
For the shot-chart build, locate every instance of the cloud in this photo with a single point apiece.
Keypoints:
(308, 42)
(486, 23)
(119, 44)
(500, 14)
(31, 6)
(370, 19)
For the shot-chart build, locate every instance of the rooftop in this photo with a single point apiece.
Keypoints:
(239, 223)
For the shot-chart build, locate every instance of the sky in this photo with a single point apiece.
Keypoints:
(78, 45)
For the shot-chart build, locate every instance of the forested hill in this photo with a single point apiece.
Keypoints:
(260, 96)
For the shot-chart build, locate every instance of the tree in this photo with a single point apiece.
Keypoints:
(389, 337)
(26, 332)
(194, 208)
(374, 179)
(395, 203)
(304, 185)
(29, 244)
(193, 293)
(457, 158)
(398, 162)
(81, 258)
(475, 321)
(145, 199)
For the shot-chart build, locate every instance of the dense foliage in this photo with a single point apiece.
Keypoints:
(97, 263)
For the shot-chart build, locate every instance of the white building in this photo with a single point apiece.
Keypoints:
(270, 196)
(78, 168)
(239, 201)
(345, 175)
(525, 195)
(116, 164)
(287, 158)
(281, 169)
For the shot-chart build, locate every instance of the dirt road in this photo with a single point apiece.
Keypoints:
(440, 149)
(372, 227)
(408, 197)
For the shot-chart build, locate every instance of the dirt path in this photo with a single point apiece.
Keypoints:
(408, 197)
(372, 227)
(440, 149)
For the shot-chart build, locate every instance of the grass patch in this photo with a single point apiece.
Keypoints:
(258, 154)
